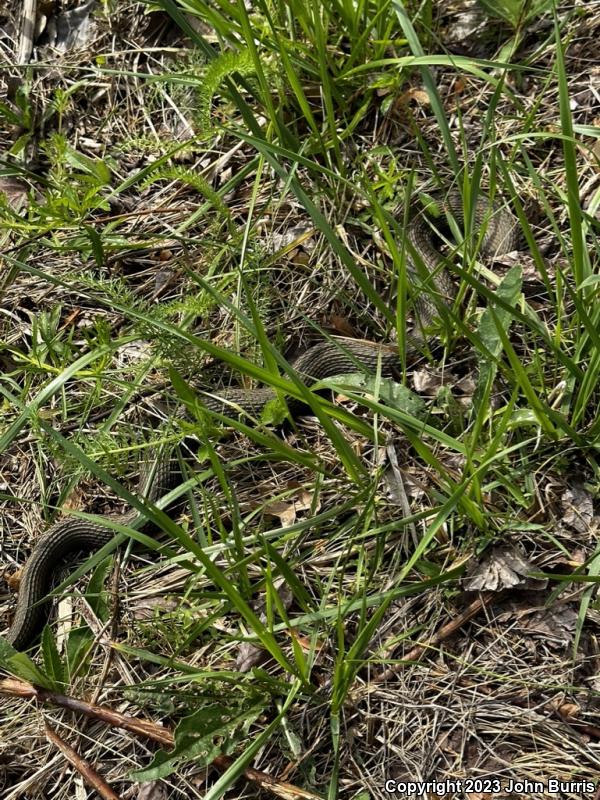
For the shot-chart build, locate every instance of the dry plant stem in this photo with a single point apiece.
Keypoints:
(444, 632)
(150, 730)
(84, 768)
(114, 624)
(28, 13)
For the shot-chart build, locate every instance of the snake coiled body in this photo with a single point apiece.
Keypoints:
(322, 360)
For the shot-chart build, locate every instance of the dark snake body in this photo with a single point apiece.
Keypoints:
(320, 361)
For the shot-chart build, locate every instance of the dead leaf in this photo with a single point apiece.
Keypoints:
(251, 655)
(15, 191)
(420, 97)
(394, 481)
(308, 644)
(566, 710)
(578, 558)
(72, 29)
(529, 269)
(76, 499)
(14, 579)
(163, 279)
(152, 790)
(466, 26)
(427, 381)
(555, 625)
(503, 568)
(459, 85)
(341, 325)
(287, 510)
(466, 386)
(578, 509)
(291, 238)
(145, 608)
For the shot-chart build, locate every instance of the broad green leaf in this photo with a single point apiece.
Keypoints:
(21, 666)
(52, 660)
(209, 732)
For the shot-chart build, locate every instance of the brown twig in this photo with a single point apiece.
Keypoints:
(148, 729)
(84, 768)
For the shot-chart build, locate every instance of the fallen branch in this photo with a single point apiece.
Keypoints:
(82, 766)
(147, 729)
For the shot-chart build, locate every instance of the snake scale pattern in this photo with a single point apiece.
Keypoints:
(322, 360)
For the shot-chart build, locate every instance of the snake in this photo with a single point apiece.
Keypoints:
(497, 228)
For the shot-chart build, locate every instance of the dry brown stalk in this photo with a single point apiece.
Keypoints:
(84, 768)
